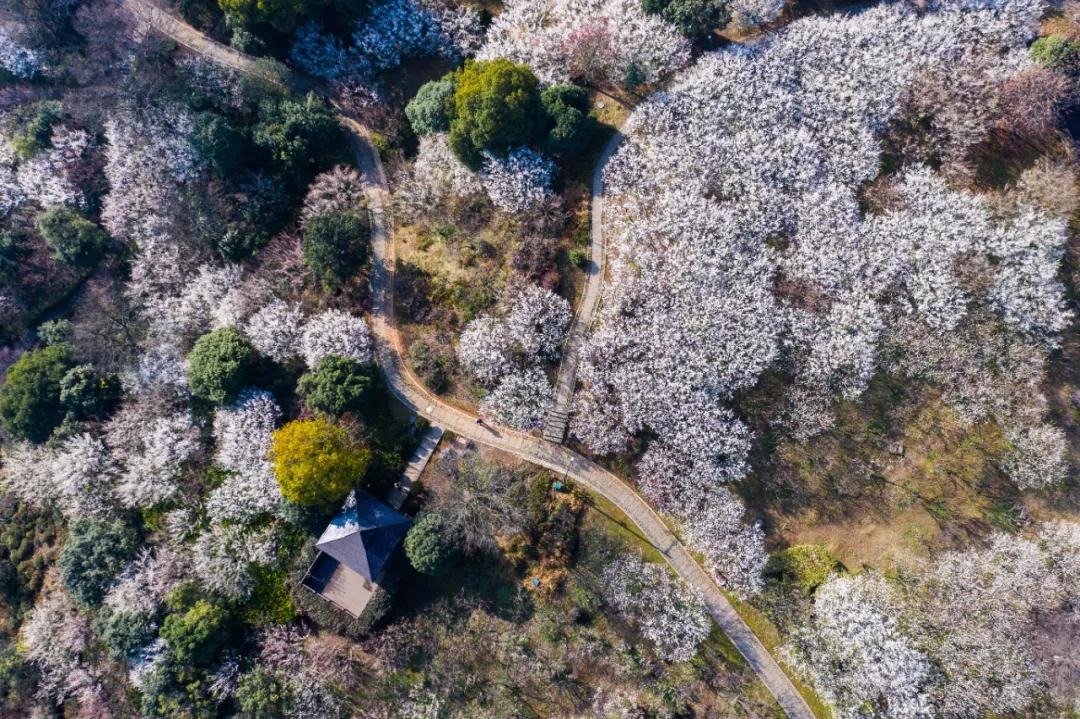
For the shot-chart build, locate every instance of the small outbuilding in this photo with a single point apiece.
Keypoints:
(354, 551)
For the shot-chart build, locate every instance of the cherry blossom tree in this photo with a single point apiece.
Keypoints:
(223, 558)
(337, 333)
(1039, 456)
(858, 656)
(665, 610)
(242, 434)
(520, 399)
(55, 638)
(518, 182)
(276, 330)
(613, 40)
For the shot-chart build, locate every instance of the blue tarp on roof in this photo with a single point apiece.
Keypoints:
(364, 534)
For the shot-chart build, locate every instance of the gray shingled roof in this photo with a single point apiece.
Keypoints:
(364, 534)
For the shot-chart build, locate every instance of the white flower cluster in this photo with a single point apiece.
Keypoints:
(142, 587)
(620, 39)
(15, 57)
(243, 434)
(339, 189)
(665, 610)
(337, 333)
(43, 179)
(151, 450)
(435, 177)
(856, 654)
(751, 13)
(737, 242)
(518, 182)
(1039, 456)
(275, 330)
(147, 154)
(54, 638)
(957, 638)
(391, 31)
(223, 557)
(505, 352)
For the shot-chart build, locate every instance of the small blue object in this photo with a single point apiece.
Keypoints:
(557, 486)
(536, 582)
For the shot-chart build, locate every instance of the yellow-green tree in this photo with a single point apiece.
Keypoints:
(316, 462)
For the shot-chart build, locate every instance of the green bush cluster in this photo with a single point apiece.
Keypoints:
(336, 385)
(1055, 52)
(94, 553)
(84, 393)
(74, 240)
(494, 106)
(35, 134)
(693, 18)
(335, 245)
(30, 398)
(221, 364)
(429, 545)
(803, 566)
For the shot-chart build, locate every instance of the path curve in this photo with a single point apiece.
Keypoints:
(557, 418)
(412, 393)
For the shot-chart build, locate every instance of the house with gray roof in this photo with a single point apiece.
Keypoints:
(354, 551)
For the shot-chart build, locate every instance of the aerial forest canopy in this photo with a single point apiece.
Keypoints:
(539, 358)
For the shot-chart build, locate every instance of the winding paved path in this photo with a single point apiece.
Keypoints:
(411, 392)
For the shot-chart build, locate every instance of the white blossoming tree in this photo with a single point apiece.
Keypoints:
(336, 333)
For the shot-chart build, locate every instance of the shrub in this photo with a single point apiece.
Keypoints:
(334, 245)
(261, 695)
(30, 399)
(36, 134)
(84, 393)
(316, 462)
(693, 18)
(429, 546)
(54, 332)
(74, 240)
(579, 257)
(432, 363)
(496, 107)
(430, 109)
(94, 553)
(240, 242)
(1055, 51)
(194, 636)
(571, 127)
(282, 15)
(220, 365)
(297, 134)
(805, 566)
(124, 633)
(218, 142)
(337, 384)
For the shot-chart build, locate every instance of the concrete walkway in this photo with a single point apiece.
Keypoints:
(556, 418)
(411, 392)
(415, 467)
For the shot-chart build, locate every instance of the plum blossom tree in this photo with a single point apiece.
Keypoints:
(339, 189)
(223, 558)
(242, 433)
(435, 177)
(610, 40)
(1039, 456)
(334, 332)
(16, 57)
(518, 182)
(151, 452)
(276, 330)
(858, 656)
(45, 179)
(55, 637)
(666, 611)
(520, 399)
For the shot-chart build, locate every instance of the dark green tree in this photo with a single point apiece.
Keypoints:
(431, 108)
(94, 553)
(124, 632)
(261, 695)
(571, 127)
(36, 134)
(337, 384)
(335, 245)
(429, 545)
(74, 240)
(220, 365)
(1055, 51)
(693, 18)
(30, 398)
(298, 135)
(496, 107)
(220, 143)
(195, 635)
(84, 393)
